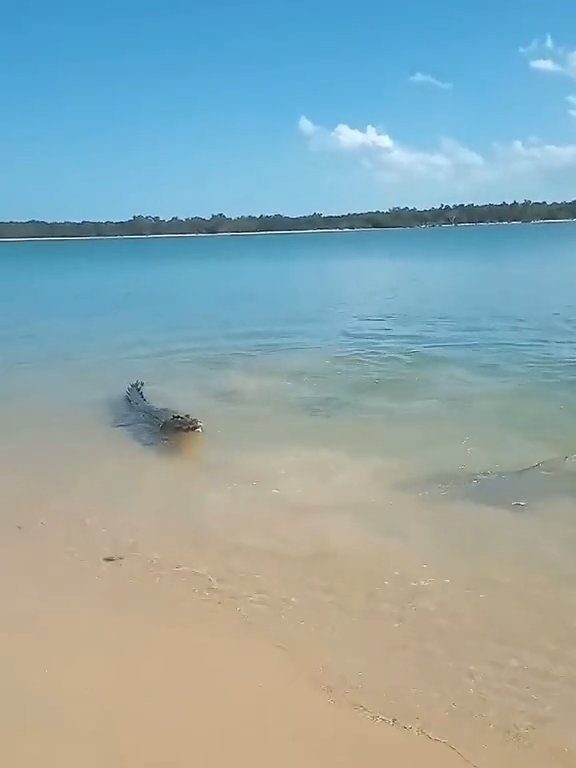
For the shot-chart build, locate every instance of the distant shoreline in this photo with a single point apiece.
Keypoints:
(139, 226)
(319, 231)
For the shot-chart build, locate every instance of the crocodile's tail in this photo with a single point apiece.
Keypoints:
(135, 393)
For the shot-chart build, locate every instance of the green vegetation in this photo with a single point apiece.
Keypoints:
(395, 217)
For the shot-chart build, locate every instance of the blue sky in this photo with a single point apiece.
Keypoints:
(111, 109)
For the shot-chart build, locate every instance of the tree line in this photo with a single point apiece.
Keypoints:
(526, 211)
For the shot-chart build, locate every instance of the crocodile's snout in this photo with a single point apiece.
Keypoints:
(184, 423)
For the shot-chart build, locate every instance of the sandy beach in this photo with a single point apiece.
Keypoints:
(120, 664)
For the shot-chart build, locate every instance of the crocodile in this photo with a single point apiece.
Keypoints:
(167, 423)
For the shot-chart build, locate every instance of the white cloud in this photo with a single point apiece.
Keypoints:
(353, 138)
(422, 78)
(445, 162)
(545, 65)
(522, 156)
(537, 44)
(572, 105)
(546, 56)
(343, 136)
(449, 164)
(306, 126)
(390, 158)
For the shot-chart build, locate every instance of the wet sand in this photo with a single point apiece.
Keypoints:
(123, 665)
(300, 568)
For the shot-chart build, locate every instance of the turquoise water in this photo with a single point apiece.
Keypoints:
(470, 331)
(351, 385)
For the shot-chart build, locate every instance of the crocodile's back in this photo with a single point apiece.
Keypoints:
(134, 393)
(136, 398)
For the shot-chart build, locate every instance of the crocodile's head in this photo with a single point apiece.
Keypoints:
(185, 423)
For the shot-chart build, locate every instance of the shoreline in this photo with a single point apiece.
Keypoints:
(75, 238)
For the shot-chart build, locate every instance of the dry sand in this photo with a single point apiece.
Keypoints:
(107, 664)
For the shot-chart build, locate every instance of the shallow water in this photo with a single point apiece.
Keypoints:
(352, 385)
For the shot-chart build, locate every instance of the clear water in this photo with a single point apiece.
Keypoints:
(352, 384)
(427, 320)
